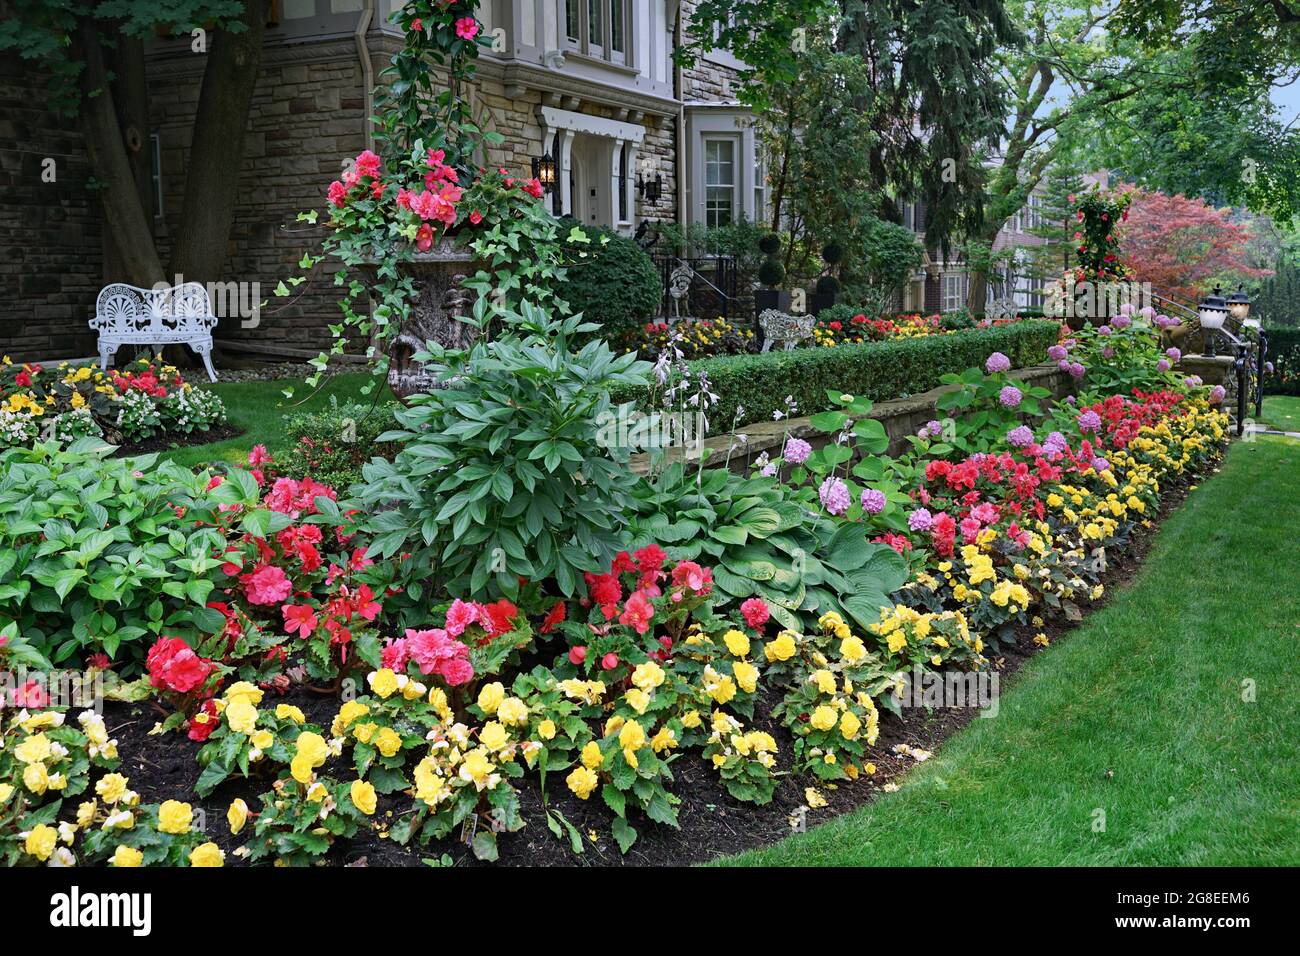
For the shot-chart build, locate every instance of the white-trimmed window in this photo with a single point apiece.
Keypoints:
(760, 184)
(719, 181)
(954, 291)
(599, 28)
(309, 17)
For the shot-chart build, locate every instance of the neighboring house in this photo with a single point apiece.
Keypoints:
(943, 284)
(590, 82)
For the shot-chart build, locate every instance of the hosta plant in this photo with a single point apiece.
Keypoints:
(501, 472)
(100, 554)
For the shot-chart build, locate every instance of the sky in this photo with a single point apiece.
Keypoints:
(1288, 100)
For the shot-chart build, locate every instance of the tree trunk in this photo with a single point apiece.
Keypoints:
(131, 101)
(124, 217)
(977, 292)
(217, 148)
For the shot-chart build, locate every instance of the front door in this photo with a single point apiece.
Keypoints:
(588, 188)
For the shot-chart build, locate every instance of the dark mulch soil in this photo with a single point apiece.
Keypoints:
(180, 440)
(712, 823)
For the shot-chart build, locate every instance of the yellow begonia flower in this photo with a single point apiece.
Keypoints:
(207, 855)
(237, 815)
(174, 817)
(363, 796)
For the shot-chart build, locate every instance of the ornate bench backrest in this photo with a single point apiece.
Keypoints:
(123, 309)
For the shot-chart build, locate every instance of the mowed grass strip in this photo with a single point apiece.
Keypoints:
(261, 410)
(1171, 716)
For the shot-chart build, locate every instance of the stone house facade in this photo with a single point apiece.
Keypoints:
(592, 83)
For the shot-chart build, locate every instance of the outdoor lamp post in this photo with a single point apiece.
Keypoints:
(1238, 304)
(544, 173)
(1239, 307)
(1213, 312)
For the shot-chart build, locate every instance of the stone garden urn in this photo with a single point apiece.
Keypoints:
(433, 317)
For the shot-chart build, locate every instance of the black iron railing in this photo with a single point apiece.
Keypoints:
(713, 288)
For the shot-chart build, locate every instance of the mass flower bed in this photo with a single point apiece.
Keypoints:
(144, 400)
(693, 338)
(702, 338)
(348, 675)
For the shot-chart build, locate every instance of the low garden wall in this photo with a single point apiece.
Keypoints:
(900, 416)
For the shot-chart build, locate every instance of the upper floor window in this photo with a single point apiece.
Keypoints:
(597, 27)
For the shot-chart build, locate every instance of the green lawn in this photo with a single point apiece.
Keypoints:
(1282, 412)
(1139, 713)
(260, 408)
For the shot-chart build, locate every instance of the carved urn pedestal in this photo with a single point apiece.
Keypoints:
(433, 317)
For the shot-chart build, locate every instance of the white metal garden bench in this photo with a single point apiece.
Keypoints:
(171, 315)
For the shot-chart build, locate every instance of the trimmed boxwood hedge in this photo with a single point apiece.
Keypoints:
(877, 370)
(1284, 353)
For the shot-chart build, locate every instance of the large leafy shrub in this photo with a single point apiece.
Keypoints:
(878, 370)
(103, 554)
(501, 471)
(610, 280)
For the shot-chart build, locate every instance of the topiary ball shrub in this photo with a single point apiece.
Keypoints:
(771, 273)
(611, 280)
(769, 244)
(832, 253)
(828, 285)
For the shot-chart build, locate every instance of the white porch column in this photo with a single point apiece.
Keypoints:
(615, 184)
(564, 168)
(633, 159)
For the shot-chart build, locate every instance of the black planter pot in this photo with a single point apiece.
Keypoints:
(771, 299)
(819, 301)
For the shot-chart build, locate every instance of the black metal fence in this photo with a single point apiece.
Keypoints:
(713, 290)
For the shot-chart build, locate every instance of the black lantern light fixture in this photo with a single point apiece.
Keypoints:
(544, 173)
(1213, 312)
(651, 189)
(1239, 305)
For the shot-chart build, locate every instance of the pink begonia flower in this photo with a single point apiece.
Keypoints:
(460, 616)
(300, 618)
(368, 164)
(268, 585)
(457, 671)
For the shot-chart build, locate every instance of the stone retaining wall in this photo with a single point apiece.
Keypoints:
(901, 417)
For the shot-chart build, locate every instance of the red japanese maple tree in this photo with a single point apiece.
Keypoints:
(1182, 246)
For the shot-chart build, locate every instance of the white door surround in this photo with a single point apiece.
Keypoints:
(606, 162)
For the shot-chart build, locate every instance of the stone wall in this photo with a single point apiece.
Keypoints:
(51, 262)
